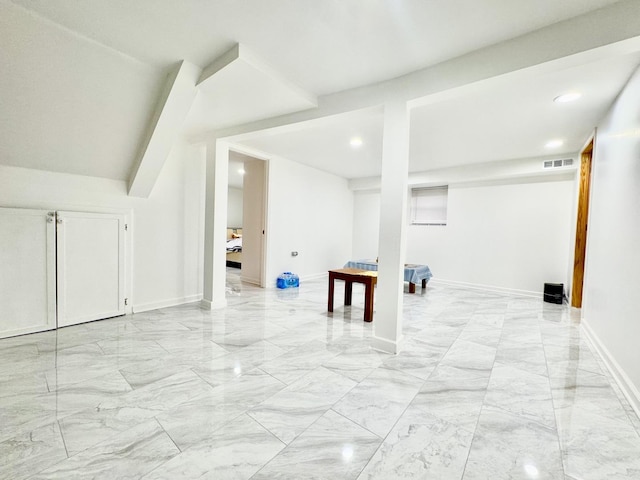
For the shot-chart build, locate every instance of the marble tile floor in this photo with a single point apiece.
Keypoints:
(488, 386)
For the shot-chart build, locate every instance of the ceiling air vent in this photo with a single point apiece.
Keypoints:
(566, 162)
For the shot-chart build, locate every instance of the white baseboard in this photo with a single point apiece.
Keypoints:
(145, 307)
(251, 281)
(629, 390)
(486, 288)
(314, 276)
(386, 345)
(209, 305)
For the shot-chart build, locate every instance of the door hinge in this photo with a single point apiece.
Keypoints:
(126, 302)
(126, 227)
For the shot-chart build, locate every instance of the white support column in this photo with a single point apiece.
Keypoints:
(387, 322)
(215, 225)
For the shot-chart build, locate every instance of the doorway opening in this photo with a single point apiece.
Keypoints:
(246, 214)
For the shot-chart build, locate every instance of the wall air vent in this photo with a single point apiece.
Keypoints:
(563, 162)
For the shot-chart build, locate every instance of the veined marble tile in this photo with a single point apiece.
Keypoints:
(289, 412)
(194, 421)
(491, 316)
(90, 393)
(379, 400)
(482, 334)
(596, 447)
(527, 357)
(356, 363)
(160, 328)
(243, 338)
(193, 346)
(31, 452)
(149, 371)
(128, 455)
(507, 446)
(439, 335)
(294, 338)
(129, 347)
(236, 451)
(31, 412)
(454, 395)
(227, 367)
(298, 362)
(114, 416)
(15, 389)
(571, 358)
(588, 392)
(416, 358)
(420, 446)
(11, 353)
(333, 447)
(522, 393)
(470, 356)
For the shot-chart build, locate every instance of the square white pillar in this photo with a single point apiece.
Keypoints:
(387, 322)
(215, 225)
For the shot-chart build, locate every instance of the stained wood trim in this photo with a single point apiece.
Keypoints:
(581, 226)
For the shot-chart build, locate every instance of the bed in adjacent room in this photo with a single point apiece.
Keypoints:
(234, 247)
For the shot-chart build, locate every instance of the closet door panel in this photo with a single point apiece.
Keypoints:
(27, 271)
(90, 250)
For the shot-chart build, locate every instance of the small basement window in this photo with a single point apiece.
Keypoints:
(429, 205)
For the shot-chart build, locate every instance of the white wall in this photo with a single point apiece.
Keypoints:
(165, 254)
(309, 211)
(610, 297)
(234, 207)
(512, 236)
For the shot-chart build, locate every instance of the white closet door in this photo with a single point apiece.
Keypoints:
(90, 248)
(27, 271)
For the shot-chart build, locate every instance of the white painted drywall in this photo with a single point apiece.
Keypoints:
(510, 236)
(610, 296)
(165, 248)
(366, 221)
(234, 208)
(308, 211)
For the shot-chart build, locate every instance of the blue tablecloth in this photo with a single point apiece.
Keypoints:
(412, 273)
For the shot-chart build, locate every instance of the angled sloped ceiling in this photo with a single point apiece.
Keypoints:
(68, 103)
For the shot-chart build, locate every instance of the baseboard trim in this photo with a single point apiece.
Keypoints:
(314, 276)
(385, 345)
(209, 305)
(486, 288)
(629, 390)
(145, 307)
(250, 281)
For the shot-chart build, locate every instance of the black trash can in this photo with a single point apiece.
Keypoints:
(553, 292)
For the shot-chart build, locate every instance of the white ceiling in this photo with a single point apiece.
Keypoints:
(84, 77)
(501, 122)
(323, 46)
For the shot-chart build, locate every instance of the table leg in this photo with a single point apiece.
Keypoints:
(412, 287)
(348, 292)
(368, 301)
(424, 283)
(331, 286)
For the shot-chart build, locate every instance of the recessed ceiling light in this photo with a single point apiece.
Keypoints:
(567, 97)
(356, 142)
(241, 171)
(554, 143)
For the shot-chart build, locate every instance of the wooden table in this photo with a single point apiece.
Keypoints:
(358, 275)
(413, 273)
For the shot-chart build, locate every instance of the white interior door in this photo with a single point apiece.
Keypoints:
(27, 271)
(90, 266)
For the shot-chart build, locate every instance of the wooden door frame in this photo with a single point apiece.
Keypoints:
(586, 160)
